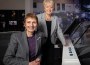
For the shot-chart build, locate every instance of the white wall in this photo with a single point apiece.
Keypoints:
(12, 4)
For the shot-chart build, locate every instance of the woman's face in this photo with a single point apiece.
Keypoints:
(48, 7)
(30, 24)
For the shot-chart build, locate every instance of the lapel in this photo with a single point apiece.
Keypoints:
(38, 41)
(25, 42)
(53, 24)
(44, 23)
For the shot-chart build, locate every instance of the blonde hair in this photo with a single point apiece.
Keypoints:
(48, 1)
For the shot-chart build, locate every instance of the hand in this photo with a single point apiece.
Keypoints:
(35, 62)
(32, 63)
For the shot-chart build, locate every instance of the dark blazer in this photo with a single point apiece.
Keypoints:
(56, 31)
(18, 50)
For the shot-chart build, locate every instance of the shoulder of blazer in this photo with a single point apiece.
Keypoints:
(15, 37)
(40, 16)
(58, 19)
(17, 34)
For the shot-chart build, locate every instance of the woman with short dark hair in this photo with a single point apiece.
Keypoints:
(25, 47)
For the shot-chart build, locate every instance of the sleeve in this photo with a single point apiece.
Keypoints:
(59, 32)
(40, 26)
(10, 58)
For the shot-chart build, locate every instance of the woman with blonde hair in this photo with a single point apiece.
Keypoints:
(49, 25)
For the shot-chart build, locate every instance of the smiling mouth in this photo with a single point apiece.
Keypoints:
(31, 28)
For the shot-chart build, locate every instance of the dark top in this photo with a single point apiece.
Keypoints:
(48, 23)
(32, 47)
(48, 46)
(48, 52)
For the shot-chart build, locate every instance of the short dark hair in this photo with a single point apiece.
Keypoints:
(31, 15)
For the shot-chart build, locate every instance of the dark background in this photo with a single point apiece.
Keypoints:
(84, 3)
